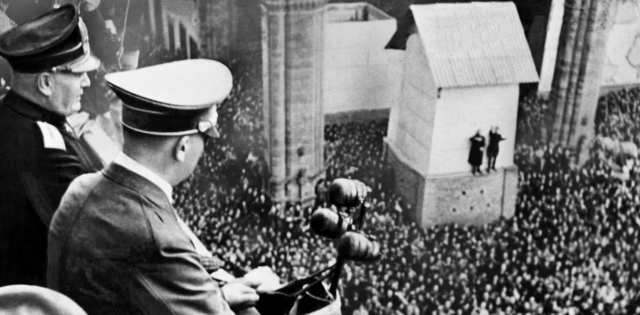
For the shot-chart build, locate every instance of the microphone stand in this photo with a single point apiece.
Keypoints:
(340, 261)
(336, 276)
(363, 211)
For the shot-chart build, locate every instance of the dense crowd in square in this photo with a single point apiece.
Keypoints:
(569, 249)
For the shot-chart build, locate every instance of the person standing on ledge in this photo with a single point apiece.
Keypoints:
(493, 148)
(475, 153)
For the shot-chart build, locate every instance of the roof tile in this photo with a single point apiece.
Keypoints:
(471, 44)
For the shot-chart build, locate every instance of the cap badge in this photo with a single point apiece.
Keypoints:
(204, 126)
(84, 33)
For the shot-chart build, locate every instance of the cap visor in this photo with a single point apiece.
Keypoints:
(86, 64)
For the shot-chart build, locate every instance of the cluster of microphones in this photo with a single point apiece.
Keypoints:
(348, 198)
(345, 223)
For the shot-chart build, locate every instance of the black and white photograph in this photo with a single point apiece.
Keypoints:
(320, 157)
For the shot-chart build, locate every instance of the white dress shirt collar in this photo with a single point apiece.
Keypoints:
(130, 164)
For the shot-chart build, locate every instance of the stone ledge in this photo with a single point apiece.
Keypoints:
(455, 198)
(293, 5)
(470, 200)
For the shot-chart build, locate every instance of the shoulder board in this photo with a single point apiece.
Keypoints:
(51, 136)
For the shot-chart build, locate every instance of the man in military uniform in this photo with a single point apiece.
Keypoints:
(116, 244)
(493, 148)
(475, 153)
(40, 155)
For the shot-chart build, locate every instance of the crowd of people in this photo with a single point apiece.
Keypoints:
(533, 113)
(618, 115)
(569, 249)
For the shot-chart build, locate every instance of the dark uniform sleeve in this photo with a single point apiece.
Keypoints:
(177, 285)
(174, 282)
(49, 177)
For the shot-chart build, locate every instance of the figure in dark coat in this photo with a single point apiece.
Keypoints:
(33, 179)
(493, 148)
(40, 154)
(475, 154)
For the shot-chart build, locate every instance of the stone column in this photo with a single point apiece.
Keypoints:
(293, 36)
(579, 70)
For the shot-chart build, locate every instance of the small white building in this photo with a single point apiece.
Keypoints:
(462, 70)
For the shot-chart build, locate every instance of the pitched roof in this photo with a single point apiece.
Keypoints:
(471, 44)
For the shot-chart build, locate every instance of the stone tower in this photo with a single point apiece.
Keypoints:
(292, 59)
(579, 71)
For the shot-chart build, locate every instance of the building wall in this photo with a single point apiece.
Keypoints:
(459, 113)
(622, 62)
(409, 183)
(359, 74)
(470, 200)
(551, 46)
(216, 25)
(411, 120)
(178, 15)
(247, 26)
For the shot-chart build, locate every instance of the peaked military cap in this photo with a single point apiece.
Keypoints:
(56, 41)
(171, 99)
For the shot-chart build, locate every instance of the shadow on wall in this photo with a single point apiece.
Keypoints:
(359, 116)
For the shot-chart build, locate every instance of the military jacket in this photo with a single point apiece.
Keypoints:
(39, 157)
(116, 247)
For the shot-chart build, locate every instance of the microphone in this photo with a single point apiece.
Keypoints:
(327, 223)
(358, 247)
(347, 192)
